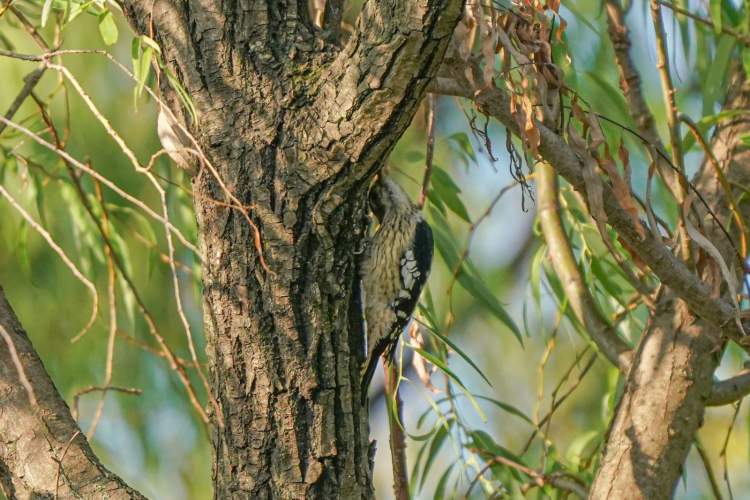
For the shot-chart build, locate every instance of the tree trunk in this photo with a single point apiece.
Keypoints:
(295, 127)
(670, 381)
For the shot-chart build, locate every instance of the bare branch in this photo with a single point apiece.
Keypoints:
(630, 79)
(397, 439)
(662, 63)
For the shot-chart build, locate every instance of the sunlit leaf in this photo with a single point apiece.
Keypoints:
(448, 192)
(458, 351)
(108, 28)
(46, 9)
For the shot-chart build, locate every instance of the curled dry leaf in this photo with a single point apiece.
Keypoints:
(705, 244)
(621, 190)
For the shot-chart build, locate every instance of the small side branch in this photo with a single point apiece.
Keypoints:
(730, 390)
(30, 82)
(397, 438)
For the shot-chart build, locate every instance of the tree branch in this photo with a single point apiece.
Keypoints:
(630, 79)
(730, 390)
(30, 82)
(379, 77)
(559, 154)
(43, 452)
(558, 248)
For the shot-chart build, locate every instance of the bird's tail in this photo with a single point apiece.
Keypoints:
(367, 375)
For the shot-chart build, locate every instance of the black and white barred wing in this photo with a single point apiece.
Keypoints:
(415, 269)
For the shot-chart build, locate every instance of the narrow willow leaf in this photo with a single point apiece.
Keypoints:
(715, 8)
(435, 445)
(507, 408)
(46, 8)
(464, 143)
(108, 28)
(440, 488)
(448, 192)
(463, 355)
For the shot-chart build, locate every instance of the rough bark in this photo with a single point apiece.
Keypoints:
(671, 376)
(43, 453)
(296, 127)
(670, 382)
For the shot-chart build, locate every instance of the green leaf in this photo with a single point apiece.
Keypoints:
(463, 355)
(448, 192)
(464, 144)
(108, 28)
(440, 488)
(580, 445)
(436, 201)
(46, 8)
(507, 408)
(414, 156)
(535, 276)
(469, 282)
(151, 43)
(746, 61)
(613, 95)
(185, 98)
(582, 16)
(439, 363)
(22, 248)
(715, 8)
(484, 442)
(712, 87)
(444, 368)
(435, 445)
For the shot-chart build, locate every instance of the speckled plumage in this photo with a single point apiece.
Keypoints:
(394, 269)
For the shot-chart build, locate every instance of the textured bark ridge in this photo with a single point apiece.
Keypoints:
(43, 453)
(667, 389)
(296, 127)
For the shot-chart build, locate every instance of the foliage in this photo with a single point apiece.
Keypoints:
(517, 396)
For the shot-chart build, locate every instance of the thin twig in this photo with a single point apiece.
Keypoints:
(99, 388)
(396, 438)
(558, 402)
(733, 205)
(112, 299)
(60, 462)
(670, 106)
(430, 150)
(723, 452)
(96, 175)
(562, 482)
(61, 253)
(708, 468)
(743, 39)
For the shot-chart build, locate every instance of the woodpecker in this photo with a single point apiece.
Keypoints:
(394, 269)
